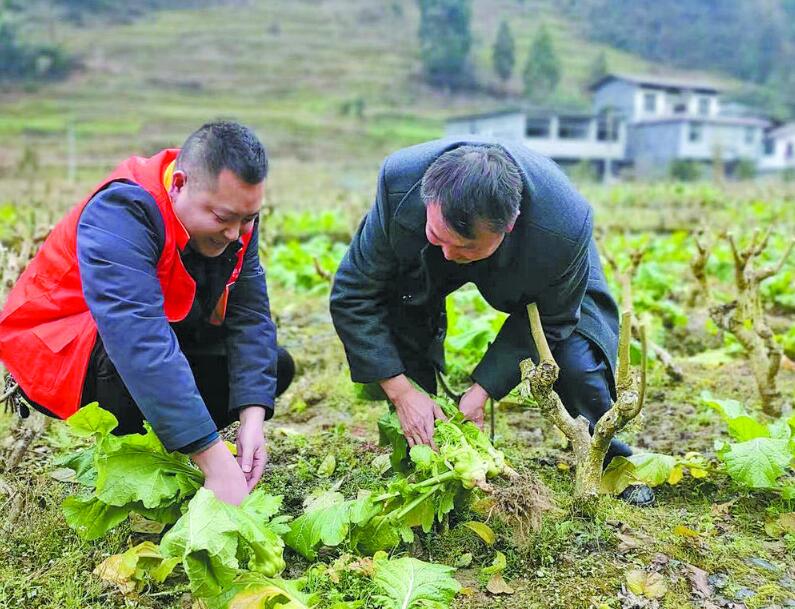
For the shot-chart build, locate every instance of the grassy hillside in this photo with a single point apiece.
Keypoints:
(330, 85)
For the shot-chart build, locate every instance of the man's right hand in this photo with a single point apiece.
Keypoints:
(222, 473)
(416, 411)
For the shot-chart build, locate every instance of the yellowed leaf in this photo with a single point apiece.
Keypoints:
(681, 530)
(232, 448)
(564, 467)
(697, 472)
(650, 585)
(482, 530)
(676, 475)
(498, 585)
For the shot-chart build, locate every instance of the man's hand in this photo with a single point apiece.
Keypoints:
(473, 404)
(222, 474)
(416, 411)
(252, 455)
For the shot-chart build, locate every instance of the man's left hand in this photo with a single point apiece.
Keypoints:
(473, 404)
(252, 454)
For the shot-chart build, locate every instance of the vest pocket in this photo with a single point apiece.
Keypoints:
(56, 335)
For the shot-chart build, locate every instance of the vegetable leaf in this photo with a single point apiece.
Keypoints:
(757, 463)
(138, 468)
(408, 583)
(212, 535)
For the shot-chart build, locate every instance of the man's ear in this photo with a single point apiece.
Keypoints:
(178, 180)
(510, 226)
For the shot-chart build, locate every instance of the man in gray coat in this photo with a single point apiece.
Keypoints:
(496, 214)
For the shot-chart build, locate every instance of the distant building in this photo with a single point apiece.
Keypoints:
(779, 149)
(642, 122)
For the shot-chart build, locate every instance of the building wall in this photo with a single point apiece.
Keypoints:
(783, 154)
(504, 126)
(730, 139)
(616, 94)
(653, 147)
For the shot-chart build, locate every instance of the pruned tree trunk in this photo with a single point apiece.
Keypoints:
(589, 450)
(745, 318)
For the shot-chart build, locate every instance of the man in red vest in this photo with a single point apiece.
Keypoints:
(149, 298)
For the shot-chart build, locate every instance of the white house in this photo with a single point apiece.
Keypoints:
(779, 149)
(640, 121)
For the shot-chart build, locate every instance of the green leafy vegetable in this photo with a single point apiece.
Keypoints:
(211, 536)
(408, 583)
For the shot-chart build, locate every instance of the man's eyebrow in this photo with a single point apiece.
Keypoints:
(229, 212)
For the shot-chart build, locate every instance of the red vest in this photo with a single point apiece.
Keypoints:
(46, 330)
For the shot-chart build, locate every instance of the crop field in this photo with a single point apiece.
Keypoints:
(343, 520)
(345, 516)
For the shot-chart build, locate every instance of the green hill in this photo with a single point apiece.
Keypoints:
(330, 85)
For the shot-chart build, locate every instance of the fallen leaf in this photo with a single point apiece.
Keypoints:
(482, 530)
(650, 585)
(782, 525)
(464, 560)
(681, 530)
(699, 582)
(63, 474)
(497, 585)
(327, 467)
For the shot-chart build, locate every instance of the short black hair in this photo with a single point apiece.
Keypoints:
(474, 183)
(223, 145)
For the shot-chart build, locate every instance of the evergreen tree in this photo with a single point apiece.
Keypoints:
(445, 40)
(598, 68)
(542, 71)
(503, 55)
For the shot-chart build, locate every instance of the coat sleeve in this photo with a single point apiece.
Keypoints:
(251, 336)
(559, 305)
(359, 296)
(119, 241)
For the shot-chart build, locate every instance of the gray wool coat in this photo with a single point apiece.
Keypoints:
(387, 300)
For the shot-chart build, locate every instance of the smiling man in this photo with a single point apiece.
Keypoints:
(149, 298)
(498, 215)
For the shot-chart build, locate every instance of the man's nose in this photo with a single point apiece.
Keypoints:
(232, 232)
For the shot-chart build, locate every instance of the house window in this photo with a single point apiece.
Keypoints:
(573, 129)
(607, 128)
(750, 135)
(650, 103)
(696, 132)
(703, 106)
(537, 127)
(790, 151)
(770, 146)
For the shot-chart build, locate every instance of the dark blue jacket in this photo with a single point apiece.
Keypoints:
(120, 237)
(387, 301)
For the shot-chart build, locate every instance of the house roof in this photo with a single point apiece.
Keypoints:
(481, 115)
(783, 130)
(661, 81)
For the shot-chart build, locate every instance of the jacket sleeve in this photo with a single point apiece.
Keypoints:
(359, 296)
(559, 305)
(119, 240)
(251, 336)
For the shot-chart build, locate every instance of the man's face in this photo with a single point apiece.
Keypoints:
(455, 247)
(215, 215)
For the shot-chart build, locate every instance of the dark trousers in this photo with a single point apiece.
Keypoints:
(584, 384)
(209, 365)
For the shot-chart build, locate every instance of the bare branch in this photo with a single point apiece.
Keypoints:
(544, 352)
